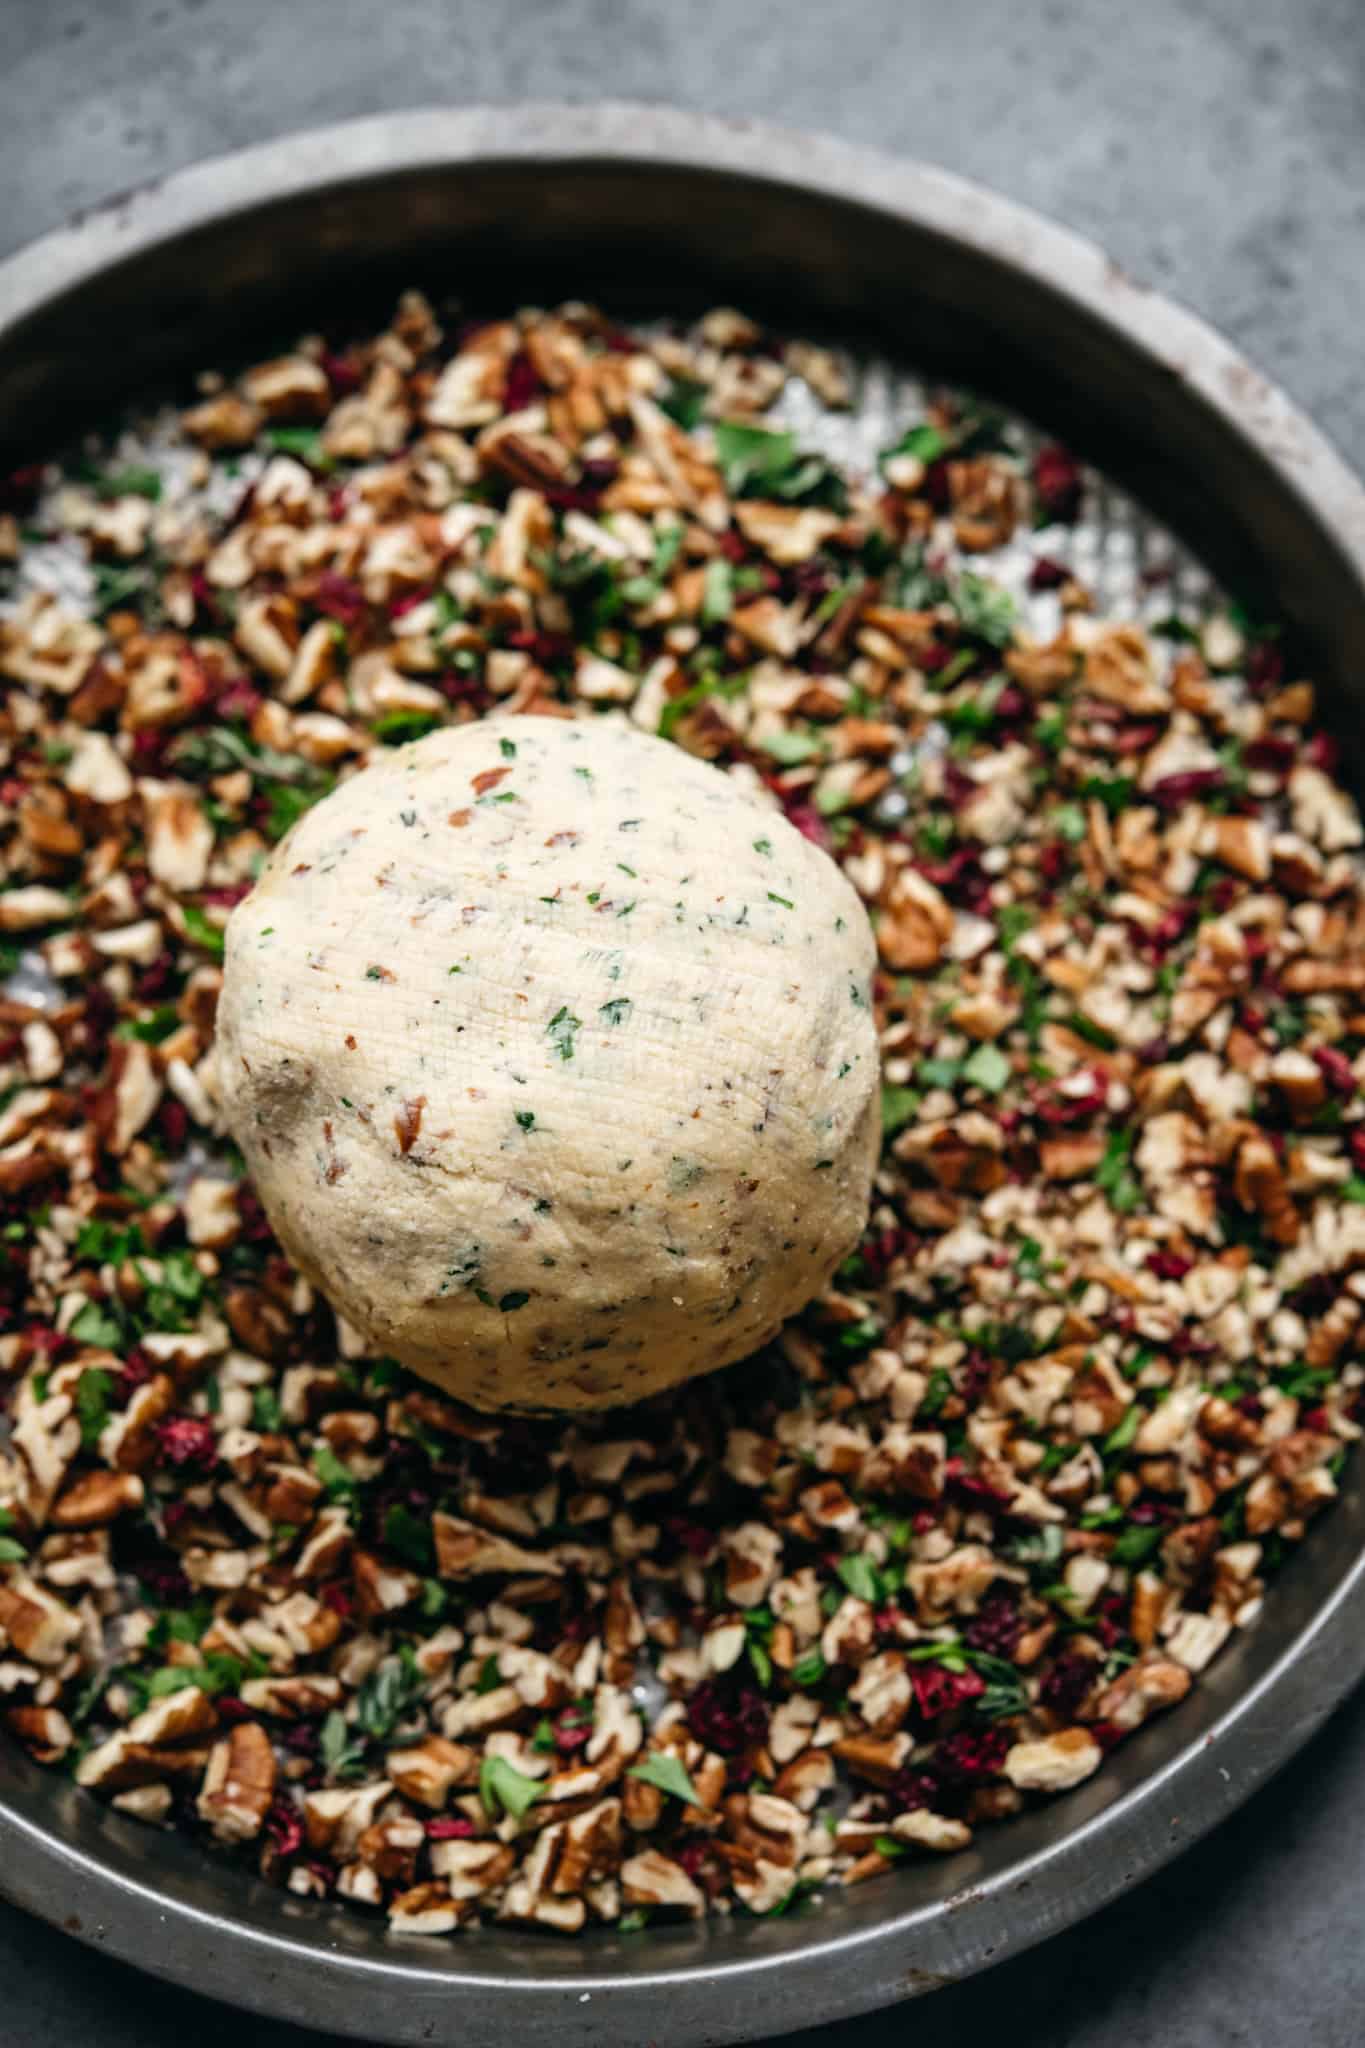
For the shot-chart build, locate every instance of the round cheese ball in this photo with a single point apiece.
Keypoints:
(551, 1055)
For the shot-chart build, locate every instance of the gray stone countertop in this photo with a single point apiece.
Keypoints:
(1217, 149)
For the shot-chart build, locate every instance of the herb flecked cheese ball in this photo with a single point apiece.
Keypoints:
(551, 1055)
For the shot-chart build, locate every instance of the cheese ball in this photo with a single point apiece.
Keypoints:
(551, 1054)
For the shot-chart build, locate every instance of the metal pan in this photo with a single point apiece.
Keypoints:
(510, 205)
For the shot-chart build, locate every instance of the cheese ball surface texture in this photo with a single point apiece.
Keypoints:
(551, 1055)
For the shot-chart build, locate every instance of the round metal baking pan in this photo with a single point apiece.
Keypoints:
(631, 204)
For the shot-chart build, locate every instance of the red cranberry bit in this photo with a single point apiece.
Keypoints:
(727, 1724)
(914, 1789)
(1058, 482)
(1270, 754)
(1169, 1265)
(1067, 1683)
(935, 485)
(522, 386)
(341, 372)
(808, 822)
(284, 1825)
(973, 1756)
(938, 1691)
(1264, 668)
(187, 1440)
(235, 699)
(1048, 574)
(996, 1627)
(1335, 1069)
(571, 1731)
(453, 1829)
(1172, 791)
(340, 599)
(1323, 752)
(339, 1598)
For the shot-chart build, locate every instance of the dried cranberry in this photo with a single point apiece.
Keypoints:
(1356, 1141)
(301, 1739)
(156, 981)
(693, 1538)
(1047, 574)
(231, 1709)
(996, 1626)
(236, 699)
(407, 602)
(1053, 861)
(284, 1825)
(164, 1580)
(1169, 1265)
(542, 647)
(1270, 754)
(149, 751)
(136, 1369)
(1057, 480)
(1059, 1109)
(571, 1731)
(1323, 752)
(935, 485)
(338, 1597)
(1108, 1734)
(1135, 739)
(255, 1223)
(958, 786)
(939, 1691)
(187, 1440)
(205, 596)
(728, 1723)
(522, 385)
(808, 823)
(1153, 1051)
(1316, 1418)
(1067, 1683)
(976, 1375)
(913, 1789)
(972, 1756)
(1263, 668)
(973, 1490)
(1335, 1069)
(452, 1829)
(1315, 1296)
(341, 373)
(340, 598)
(173, 1122)
(1174, 790)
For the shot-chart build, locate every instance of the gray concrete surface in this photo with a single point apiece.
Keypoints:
(1217, 147)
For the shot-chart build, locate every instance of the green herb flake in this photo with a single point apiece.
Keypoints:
(859, 1576)
(987, 1068)
(562, 1028)
(668, 1774)
(504, 1789)
(202, 930)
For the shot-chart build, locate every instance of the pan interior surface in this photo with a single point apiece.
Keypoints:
(1216, 485)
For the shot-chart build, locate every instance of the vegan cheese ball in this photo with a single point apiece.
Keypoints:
(551, 1055)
